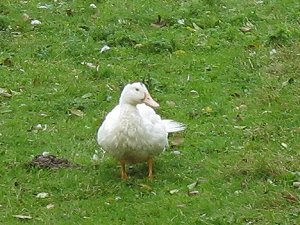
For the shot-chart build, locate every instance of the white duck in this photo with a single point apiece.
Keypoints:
(132, 132)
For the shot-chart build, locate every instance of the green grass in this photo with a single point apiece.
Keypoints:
(240, 104)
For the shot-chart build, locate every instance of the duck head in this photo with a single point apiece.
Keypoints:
(137, 93)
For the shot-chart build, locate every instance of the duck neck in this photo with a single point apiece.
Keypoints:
(127, 109)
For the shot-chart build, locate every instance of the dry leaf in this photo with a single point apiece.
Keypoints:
(193, 185)
(196, 27)
(176, 152)
(5, 93)
(35, 22)
(207, 109)
(22, 217)
(284, 145)
(273, 51)
(50, 206)
(104, 48)
(174, 191)
(42, 127)
(25, 17)
(296, 184)
(290, 197)
(145, 186)
(42, 195)
(93, 6)
(245, 29)
(181, 21)
(138, 45)
(95, 157)
(193, 192)
(194, 93)
(240, 127)
(87, 95)
(76, 112)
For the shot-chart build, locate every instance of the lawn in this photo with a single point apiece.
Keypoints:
(227, 69)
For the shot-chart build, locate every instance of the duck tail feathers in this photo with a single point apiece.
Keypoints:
(173, 126)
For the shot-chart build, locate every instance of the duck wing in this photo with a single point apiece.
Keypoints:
(108, 124)
(152, 117)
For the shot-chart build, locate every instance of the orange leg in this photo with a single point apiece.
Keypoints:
(123, 170)
(150, 168)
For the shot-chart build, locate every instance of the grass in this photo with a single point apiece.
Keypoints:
(230, 72)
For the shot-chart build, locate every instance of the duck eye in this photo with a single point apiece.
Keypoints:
(137, 89)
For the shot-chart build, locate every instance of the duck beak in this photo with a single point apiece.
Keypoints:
(148, 100)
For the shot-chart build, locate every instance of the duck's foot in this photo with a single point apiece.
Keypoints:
(150, 168)
(124, 175)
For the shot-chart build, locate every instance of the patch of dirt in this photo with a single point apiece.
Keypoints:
(51, 162)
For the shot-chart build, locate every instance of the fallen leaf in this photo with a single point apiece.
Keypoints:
(76, 112)
(296, 184)
(193, 185)
(240, 127)
(290, 197)
(50, 206)
(25, 17)
(245, 29)
(284, 145)
(289, 81)
(42, 127)
(145, 186)
(104, 48)
(273, 51)
(93, 6)
(207, 109)
(45, 154)
(22, 217)
(194, 93)
(138, 45)
(196, 27)
(35, 22)
(193, 192)
(176, 152)
(95, 157)
(42, 195)
(44, 6)
(90, 65)
(87, 95)
(174, 191)
(5, 93)
(181, 21)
